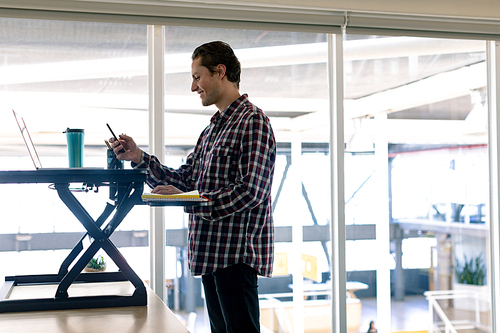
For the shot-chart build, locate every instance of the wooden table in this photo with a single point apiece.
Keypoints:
(153, 318)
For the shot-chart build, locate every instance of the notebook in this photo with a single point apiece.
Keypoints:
(31, 146)
(186, 196)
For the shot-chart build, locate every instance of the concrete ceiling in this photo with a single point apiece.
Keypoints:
(424, 85)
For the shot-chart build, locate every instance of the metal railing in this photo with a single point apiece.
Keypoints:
(451, 326)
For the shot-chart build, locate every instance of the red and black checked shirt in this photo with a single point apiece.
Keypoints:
(232, 165)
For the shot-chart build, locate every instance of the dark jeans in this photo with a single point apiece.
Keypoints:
(232, 299)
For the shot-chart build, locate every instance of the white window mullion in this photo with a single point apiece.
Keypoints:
(493, 86)
(338, 235)
(157, 234)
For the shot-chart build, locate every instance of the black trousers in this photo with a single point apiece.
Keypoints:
(232, 299)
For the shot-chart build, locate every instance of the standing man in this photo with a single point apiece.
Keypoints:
(230, 239)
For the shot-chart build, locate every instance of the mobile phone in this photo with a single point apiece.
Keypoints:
(114, 136)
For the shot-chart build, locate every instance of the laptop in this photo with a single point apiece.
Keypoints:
(31, 146)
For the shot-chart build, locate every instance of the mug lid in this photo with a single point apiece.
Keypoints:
(73, 130)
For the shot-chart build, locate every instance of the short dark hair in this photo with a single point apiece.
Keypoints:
(215, 53)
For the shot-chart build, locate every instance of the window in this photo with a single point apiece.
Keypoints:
(60, 74)
(284, 74)
(421, 103)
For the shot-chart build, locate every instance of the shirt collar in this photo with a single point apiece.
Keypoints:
(215, 118)
(224, 114)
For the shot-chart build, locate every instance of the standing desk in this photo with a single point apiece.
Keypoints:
(126, 187)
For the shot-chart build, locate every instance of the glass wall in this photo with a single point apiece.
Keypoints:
(416, 143)
(56, 75)
(416, 165)
(284, 74)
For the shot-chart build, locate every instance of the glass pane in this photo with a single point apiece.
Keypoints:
(284, 74)
(56, 75)
(416, 170)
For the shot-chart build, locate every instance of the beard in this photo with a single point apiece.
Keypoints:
(211, 97)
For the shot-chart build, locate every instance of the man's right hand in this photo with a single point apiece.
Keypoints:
(132, 151)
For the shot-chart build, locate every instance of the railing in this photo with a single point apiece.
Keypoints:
(277, 308)
(451, 326)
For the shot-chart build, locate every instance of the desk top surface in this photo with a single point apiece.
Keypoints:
(153, 318)
(72, 175)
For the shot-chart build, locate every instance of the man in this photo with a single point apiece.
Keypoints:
(230, 239)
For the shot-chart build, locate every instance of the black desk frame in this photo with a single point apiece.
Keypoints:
(129, 185)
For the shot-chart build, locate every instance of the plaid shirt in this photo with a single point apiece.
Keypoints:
(232, 165)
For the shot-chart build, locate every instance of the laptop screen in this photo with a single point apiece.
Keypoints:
(27, 140)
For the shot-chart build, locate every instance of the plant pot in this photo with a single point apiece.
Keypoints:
(93, 270)
(96, 265)
(469, 303)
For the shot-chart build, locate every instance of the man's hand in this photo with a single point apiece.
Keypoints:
(166, 189)
(132, 151)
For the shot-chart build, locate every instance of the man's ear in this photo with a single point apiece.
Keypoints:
(221, 70)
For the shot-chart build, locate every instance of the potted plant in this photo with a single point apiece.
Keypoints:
(96, 265)
(470, 276)
(472, 271)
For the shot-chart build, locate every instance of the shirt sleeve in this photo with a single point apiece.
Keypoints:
(252, 185)
(159, 174)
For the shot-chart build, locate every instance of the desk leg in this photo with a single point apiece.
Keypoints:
(79, 246)
(79, 211)
(101, 238)
(114, 254)
(70, 277)
(125, 204)
(72, 256)
(125, 268)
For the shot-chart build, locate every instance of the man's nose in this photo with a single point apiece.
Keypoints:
(194, 86)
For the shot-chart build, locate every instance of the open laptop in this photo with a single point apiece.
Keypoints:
(31, 146)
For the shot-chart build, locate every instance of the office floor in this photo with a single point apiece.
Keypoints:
(408, 316)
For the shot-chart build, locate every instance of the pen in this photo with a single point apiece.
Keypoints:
(107, 144)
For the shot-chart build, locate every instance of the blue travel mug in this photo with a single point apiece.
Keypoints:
(75, 137)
